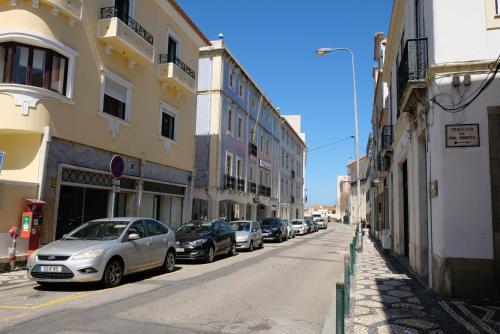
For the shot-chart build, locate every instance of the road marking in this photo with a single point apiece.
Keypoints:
(49, 303)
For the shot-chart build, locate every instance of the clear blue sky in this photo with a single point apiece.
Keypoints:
(275, 41)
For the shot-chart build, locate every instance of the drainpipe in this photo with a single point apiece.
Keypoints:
(44, 154)
(141, 184)
(429, 200)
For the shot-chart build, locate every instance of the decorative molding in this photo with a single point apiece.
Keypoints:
(28, 97)
(477, 66)
(114, 126)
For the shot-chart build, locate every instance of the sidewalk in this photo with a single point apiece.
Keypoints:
(14, 279)
(388, 300)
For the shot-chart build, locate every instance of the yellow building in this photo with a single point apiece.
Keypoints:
(81, 81)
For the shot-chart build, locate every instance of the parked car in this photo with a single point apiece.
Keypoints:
(105, 250)
(203, 240)
(321, 223)
(300, 226)
(248, 234)
(290, 231)
(274, 229)
(310, 225)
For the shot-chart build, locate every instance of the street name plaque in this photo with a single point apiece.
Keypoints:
(462, 135)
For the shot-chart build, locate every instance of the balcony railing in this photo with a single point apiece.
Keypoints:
(265, 191)
(111, 12)
(241, 184)
(387, 132)
(252, 187)
(166, 58)
(230, 182)
(413, 65)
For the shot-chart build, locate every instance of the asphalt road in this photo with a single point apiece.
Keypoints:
(283, 288)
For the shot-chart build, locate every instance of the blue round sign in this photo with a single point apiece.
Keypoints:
(117, 166)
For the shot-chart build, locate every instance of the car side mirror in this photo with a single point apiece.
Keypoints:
(133, 236)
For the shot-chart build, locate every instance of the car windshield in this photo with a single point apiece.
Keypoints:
(270, 223)
(297, 222)
(98, 230)
(195, 228)
(240, 226)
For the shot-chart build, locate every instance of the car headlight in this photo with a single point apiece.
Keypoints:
(33, 255)
(198, 242)
(90, 254)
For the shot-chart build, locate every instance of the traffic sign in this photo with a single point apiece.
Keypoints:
(117, 166)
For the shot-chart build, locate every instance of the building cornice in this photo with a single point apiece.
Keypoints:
(475, 66)
(398, 11)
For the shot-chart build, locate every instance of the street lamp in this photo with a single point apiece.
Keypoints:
(321, 52)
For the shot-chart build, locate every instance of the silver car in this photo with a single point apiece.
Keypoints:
(105, 250)
(248, 234)
(300, 226)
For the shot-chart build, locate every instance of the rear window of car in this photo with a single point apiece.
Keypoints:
(296, 222)
(270, 222)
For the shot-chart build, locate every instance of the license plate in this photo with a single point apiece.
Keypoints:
(50, 269)
(180, 250)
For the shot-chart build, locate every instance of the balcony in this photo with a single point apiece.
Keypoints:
(229, 182)
(125, 36)
(241, 184)
(386, 138)
(252, 187)
(176, 74)
(412, 74)
(70, 8)
(265, 191)
(383, 165)
(252, 149)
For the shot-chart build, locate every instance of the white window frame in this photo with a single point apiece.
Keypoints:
(170, 33)
(128, 104)
(229, 155)
(240, 128)
(172, 111)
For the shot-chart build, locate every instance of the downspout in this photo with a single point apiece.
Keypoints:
(44, 154)
(141, 184)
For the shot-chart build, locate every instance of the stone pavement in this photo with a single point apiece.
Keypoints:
(10, 280)
(388, 300)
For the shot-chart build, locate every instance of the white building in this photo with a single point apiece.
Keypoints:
(444, 102)
(343, 194)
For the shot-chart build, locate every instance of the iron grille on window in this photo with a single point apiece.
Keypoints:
(413, 65)
(265, 191)
(95, 179)
(241, 184)
(167, 58)
(110, 12)
(230, 182)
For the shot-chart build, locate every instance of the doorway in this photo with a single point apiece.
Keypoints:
(78, 205)
(406, 226)
(122, 8)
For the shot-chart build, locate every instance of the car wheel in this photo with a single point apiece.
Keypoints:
(113, 274)
(261, 243)
(250, 248)
(232, 250)
(210, 255)
(169, 263)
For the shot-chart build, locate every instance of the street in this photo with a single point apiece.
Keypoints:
(286, 287)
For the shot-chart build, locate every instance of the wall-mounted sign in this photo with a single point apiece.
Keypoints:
(264, 164)
(462, 135)
(2, 157)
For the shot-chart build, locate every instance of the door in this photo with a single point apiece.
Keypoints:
(122, 9)
(137, 252)
(406, 226)
(171, 48)
(159, 241)
(494, 141)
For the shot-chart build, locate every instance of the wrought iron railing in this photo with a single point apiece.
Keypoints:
(265, 191)
(386, 139)
(110, 12)
(166, 58)
(383, 164)
(413, 64)
(241, 184)
(230, 182)
(252, 187)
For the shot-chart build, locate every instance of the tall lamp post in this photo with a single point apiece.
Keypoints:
(321, 52)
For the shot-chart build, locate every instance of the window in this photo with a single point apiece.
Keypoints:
(229, 164)
(239, 173)
(262, 143)
(241, 90)
(497, 7)
(33, 66)
(254, 102)
(267, 146)
(240, 127)
(139, 228)
(155, 228)
(230, 121)
(116, 98)
(167, 125)
(231, 78)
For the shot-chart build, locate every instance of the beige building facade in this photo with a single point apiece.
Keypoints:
(82, 81)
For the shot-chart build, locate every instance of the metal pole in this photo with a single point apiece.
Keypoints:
(340, 308)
